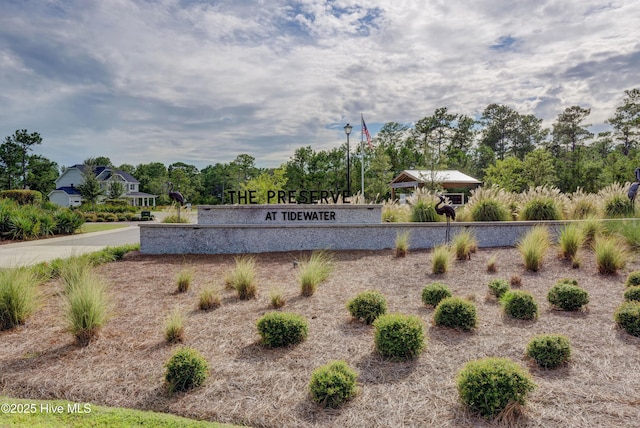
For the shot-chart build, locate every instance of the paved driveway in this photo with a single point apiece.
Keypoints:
(32, 252)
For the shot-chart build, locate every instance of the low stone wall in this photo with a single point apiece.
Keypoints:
(258, 238)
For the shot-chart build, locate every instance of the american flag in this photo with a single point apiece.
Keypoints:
(365, 131)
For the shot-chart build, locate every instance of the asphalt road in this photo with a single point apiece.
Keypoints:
(32, 252)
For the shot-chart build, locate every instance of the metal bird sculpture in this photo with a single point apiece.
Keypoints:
(633, 189)
(174, 195)
(448, 211)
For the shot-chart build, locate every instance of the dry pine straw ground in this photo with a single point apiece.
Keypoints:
(251, 385)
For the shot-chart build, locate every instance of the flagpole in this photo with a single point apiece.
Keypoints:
(362, 152)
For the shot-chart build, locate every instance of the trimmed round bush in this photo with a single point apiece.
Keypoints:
(186, 369)
(633, 279)
(367, 306)
(433, 293)
(398, 336)
(632, 294)
(282, 329)
(519, 304)
(455, 312)
(627, 316)
(489, 210)
(567, 296)
(498, 287)
(488, 385)
(333, 384)
(549, 350)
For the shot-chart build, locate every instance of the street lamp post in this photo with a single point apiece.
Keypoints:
(347, 130)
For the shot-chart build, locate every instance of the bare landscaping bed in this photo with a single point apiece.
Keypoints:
(252, 385)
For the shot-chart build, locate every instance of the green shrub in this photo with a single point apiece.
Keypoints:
(549, 350)
(282, 329)
(611, 255)
(186, 369)
(570, 240)
(398, 336)
(519, 304)
(464, 243)
(433, 293)
(19, 296)
(632, 293)
(423, 211)
(455, 312)
(567, 296)
(22, 196)
(533, 247)
(489, 210)
(441, 259)
(540, 209)
(498, 287)
(633, 279)
(627, 316)
(23, 227)
(367, 306)
(314, 270)
(488, 385)
(333, 384)
(67, 221)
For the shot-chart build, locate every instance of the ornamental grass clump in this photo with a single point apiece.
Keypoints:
(186, 369)
(87, 307)
(540, 209)
(433, 293)
(19, 296)
(278, 329)
(333, 384)
(276, 298)
(498, 287)
(488, 204)
(184, 279)
(209, 298)
(611, 254)
(402, 243)
(455, 312)
(314, 270)
(440, 259)
(591, 228)
(367, 306)
(519, 304)
(570, 240)
(492, 265)
(464, 243)
(398, 336)
(174, 327)
(567, 296)
(423, 211)
(243, 278)
(489, 385)
(533, 247)
(549, 350)
(627, 316)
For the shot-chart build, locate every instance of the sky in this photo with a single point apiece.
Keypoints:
(202, 81)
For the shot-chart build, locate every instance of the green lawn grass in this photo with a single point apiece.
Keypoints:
(59, 413)
(99, 227)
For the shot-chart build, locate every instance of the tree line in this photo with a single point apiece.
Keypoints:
(501, 147)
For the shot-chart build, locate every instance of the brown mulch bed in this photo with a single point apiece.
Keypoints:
(251, 385)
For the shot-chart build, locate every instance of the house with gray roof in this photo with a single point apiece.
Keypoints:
(67, 194)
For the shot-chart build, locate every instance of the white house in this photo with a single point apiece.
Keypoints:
(448, 179)
(67, 193)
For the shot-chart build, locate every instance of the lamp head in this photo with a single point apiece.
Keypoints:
(347, 129)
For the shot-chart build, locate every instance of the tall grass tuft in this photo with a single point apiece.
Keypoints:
(313, 271)
(184, 279)
(74, 271)
(611, 254)
(464, 243)
(533, 247)
(591, 228)
(441, 259)
(570, 240)
(174, 327)
(209, 298)
(489, 204)
(492, 265)
(423, 211)
(243, 278)
(402, 243)
(542, 203)
(87, 307)
(583, 205)
(616, 203)
(276, 298)
(19, 296)
(629, 230)
(393, 212)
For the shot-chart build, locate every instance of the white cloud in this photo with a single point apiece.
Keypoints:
(202, 82)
